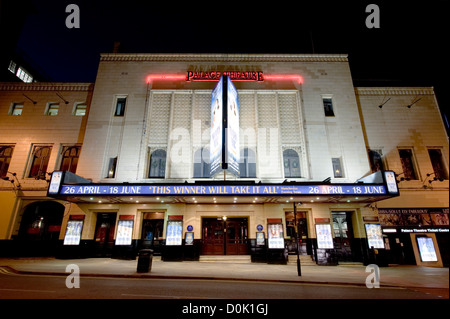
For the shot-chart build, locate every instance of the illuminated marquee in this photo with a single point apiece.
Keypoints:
(182, 190)
(257, 76)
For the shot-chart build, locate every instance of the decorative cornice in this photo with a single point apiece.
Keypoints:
(394, 91)
(190, 57)
(46, 86)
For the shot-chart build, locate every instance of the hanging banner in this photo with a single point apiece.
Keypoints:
(216, 140)
(224, 142)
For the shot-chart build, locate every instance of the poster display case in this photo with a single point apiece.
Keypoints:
(275, 236)
(189, 238)
(426, 248)
(324, 236)
(174, 233)
(374, 236)
(73, 232)
(260, 238)
(124, 232)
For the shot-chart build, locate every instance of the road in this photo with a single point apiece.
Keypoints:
(19, 286)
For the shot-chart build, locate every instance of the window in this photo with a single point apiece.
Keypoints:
(120, 106)
(337, 168)
(16, 109)
(39, 162)
(80, 109)
(406, 158)
(328, 106)
(12, 66)
(437, 161)
(112, 167)
(24, 75)
(52, 109)
(247, 164)
(70, 155)
(291, 163)
(157, 164)
(376, 161)
(201, 163)
(5, 158)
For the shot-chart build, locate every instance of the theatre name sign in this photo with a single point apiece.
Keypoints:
(257, 76)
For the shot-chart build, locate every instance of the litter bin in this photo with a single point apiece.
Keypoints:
(145, 260)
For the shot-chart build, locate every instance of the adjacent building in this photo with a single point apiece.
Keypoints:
(353, 173)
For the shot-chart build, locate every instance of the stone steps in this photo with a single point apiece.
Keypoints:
(305, 260)
(240, 259)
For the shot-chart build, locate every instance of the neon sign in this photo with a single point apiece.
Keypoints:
(212, 76)
(257, 76)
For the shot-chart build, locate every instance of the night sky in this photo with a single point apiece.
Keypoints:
(407, 49)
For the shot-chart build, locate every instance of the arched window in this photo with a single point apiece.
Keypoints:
(5, 158)
(70, 157)
(157, 164)
(201, 163)
(291, 163)
(247, 165)
(39, 163)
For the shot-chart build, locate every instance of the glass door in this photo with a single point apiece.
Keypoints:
(213, 236)
(104, 234)
(343, 235)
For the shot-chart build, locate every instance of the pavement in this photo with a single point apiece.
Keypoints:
(405, 276)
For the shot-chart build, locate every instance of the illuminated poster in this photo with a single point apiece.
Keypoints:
(426, 249)
(174, 232)
(391, 182)
(260, 240)
(189, 238)
(216, 141)
(324, 236)
(374, 236)
(124, 232)
(232, 129)
(55, 182)
(73, 232)
(276, 236)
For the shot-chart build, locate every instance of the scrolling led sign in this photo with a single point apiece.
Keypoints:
(257, 76)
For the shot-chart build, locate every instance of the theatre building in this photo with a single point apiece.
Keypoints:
(260, 156)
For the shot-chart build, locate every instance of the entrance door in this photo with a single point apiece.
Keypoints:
(302, 233)
(228, 237)
(104, 234)
(236, 236)
(213, 237)
(343, 235)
